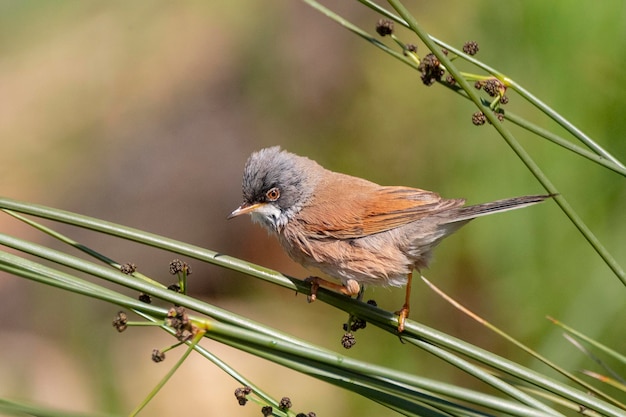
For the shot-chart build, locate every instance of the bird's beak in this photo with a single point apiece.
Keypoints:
(244, 209)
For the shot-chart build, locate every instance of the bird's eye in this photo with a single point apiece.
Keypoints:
(273, 194)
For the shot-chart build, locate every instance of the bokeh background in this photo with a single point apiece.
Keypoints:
(143, 113)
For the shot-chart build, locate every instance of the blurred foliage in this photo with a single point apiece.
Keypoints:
(144, 113)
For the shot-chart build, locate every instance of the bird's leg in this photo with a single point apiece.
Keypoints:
(404, 311)
(350, 288)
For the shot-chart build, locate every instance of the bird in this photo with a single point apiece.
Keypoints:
(352, 229)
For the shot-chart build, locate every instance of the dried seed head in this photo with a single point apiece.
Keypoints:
(174, 287)
(177, 266)
(285, 403)
(409, 47)
(120, 322)
(240, 394)
(128, 268)
(470, 47)
(145, 298)
(348, 340)
(157, 356)
(479, 118)
(358, 324)
(430, 69)
(384, 27)
(494, 87)
(178, 320)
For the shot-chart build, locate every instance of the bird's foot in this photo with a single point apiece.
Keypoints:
(350, 288)
(315, 284)
(403, 314)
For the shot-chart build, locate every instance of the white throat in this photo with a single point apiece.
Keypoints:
(270, 217)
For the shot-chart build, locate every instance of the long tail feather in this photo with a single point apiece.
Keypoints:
(470, 212)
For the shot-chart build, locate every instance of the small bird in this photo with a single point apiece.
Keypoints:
(350, 228)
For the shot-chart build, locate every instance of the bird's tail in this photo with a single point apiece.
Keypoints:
(462, 214)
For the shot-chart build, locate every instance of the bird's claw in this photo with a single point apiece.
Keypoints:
(402, 316)
(314, 287)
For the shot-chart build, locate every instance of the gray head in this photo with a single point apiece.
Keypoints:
(276, 185)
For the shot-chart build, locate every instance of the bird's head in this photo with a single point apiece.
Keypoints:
(276, 185)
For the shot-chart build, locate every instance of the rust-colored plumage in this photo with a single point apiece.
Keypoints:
(350, 228)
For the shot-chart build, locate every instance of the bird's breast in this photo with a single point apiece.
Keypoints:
(377, 260)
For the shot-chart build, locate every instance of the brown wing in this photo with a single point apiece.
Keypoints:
(346, 207)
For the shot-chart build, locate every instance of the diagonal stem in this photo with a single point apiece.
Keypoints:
(513, 143)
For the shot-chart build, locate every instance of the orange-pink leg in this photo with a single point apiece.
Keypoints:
(403, 314)
(351, 288)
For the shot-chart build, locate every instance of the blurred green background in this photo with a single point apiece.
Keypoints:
(143, 113)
